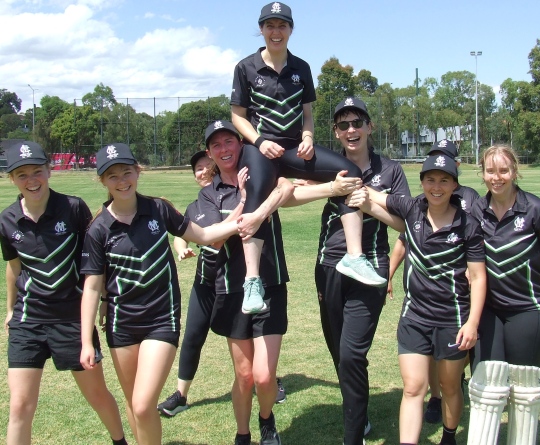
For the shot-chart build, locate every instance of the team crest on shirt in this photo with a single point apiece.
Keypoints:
(519, 224)
(17, 236)
(452, 238)
(482, 223)
(376, 181)
(154, 227)
(295, 79)
(259, 81)
(463, 204)
(25, 151)
(60, 228)
(111, 152)
(440, 162)
(417, 226)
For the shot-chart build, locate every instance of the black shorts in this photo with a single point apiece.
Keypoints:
(229, 321)
(31, 344)
(122, 339)
(415, 338)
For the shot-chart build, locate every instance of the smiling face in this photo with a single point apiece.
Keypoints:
(276, 33)
(32, 181)
(224, 149)
(499, 174)
(121, 181)
(202, 171)
(438, 186)
(353, 139)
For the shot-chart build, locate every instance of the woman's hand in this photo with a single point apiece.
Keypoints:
(186, 253)
(358, 198)
(343, 186)
(88, 357)
(305, 149)
(242, 179)
(467, 336)
(248, 224)
(271, 150)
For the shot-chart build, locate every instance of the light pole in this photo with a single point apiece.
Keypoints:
(476, 54)
(33, 112)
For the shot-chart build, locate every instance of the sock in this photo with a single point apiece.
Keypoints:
(267, 421)
(354, 255)
(121, 441)
(243, 436)
(448, 436)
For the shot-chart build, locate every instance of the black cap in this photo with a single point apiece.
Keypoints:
(115, 153)
(195, 158)
(276, 10)
(24, 153)
(217, 126)
(440, 162)
(446, 147)
(351, 103)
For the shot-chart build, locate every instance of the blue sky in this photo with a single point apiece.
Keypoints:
(170, 48)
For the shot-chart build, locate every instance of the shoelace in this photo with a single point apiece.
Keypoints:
(268, 432)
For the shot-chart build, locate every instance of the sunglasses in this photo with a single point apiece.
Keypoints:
(356, 123)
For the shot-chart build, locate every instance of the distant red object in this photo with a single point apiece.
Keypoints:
(67, 161)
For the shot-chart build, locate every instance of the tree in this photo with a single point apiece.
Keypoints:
(101, 97)
(534, 63)
(367, 84)
(9, 102)
(10, 122)
(51, 108)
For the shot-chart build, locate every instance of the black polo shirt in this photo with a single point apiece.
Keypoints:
(385, 176)
(512, 253)
(274, 102)
(216, 202)
(49, 287)
(141, 278)
(436, 288)
(206, 261)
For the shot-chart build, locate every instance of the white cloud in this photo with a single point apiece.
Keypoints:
(68, 52)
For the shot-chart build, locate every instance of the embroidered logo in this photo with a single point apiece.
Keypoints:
(199, 216)
(443, 143)
(349, 102)
(60, 228)
(218, 125)
(519, 224)
(154, 227)
(482, 223)
(452, 238)
(440, 162)
(276, 8)
(295, 79)
(220, 197)
(111, 152)
(114, 241)
(259, 81)
(376, 181)
(17, 236)
(417, 226)
(25, 151)
(463, 204)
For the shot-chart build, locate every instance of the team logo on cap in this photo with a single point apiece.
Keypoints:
(519, 224)
(452, 238)
(442, 144)
(17, 236)
(440, 162)
(218, 125)
(295, 79)
(60, 228)
(349, 102)
(111, 152)
(25, 151)
(276, 8)
(154, 227)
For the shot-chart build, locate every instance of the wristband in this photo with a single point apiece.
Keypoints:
(242, 201)
(308, 136)
(258, 142)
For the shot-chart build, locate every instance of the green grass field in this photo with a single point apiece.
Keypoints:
(312, 412)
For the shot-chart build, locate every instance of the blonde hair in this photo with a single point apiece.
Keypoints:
(505, 151)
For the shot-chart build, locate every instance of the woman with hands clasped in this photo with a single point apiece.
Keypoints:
(440, 313)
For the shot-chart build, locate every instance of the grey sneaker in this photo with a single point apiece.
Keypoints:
(367, 428)
(281, 396)
(269, 434)
(360, 269)
(175, 403)
(253, 296)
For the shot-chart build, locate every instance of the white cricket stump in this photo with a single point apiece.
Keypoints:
(488, 393)
(523, 405)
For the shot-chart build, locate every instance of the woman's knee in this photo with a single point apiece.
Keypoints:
(22, 409)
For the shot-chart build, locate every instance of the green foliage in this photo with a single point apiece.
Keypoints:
(10, 123)
(102, 97)
(9, 102)
(534, 63)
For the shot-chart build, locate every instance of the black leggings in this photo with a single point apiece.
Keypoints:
(263, 173)
(201, 302)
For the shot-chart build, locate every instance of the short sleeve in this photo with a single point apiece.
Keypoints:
(93, 254)
(240, 88)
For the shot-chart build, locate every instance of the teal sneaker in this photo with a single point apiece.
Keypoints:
(253, 296)
(360, 269)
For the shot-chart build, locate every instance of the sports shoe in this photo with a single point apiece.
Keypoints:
(253, 296)
(269, 434)
(360, 269)
(280, 396)
(433, 412)
(175, 403)
(244, 439)
(367, 428)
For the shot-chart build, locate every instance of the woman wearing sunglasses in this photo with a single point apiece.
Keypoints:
(271, 107)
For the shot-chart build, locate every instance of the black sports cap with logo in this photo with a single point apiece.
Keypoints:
(440, 162)
(218, 126)
(351, 103)
(115, 153)
(195, 158)
(24, 153)
(276, 10)
(446, 147)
